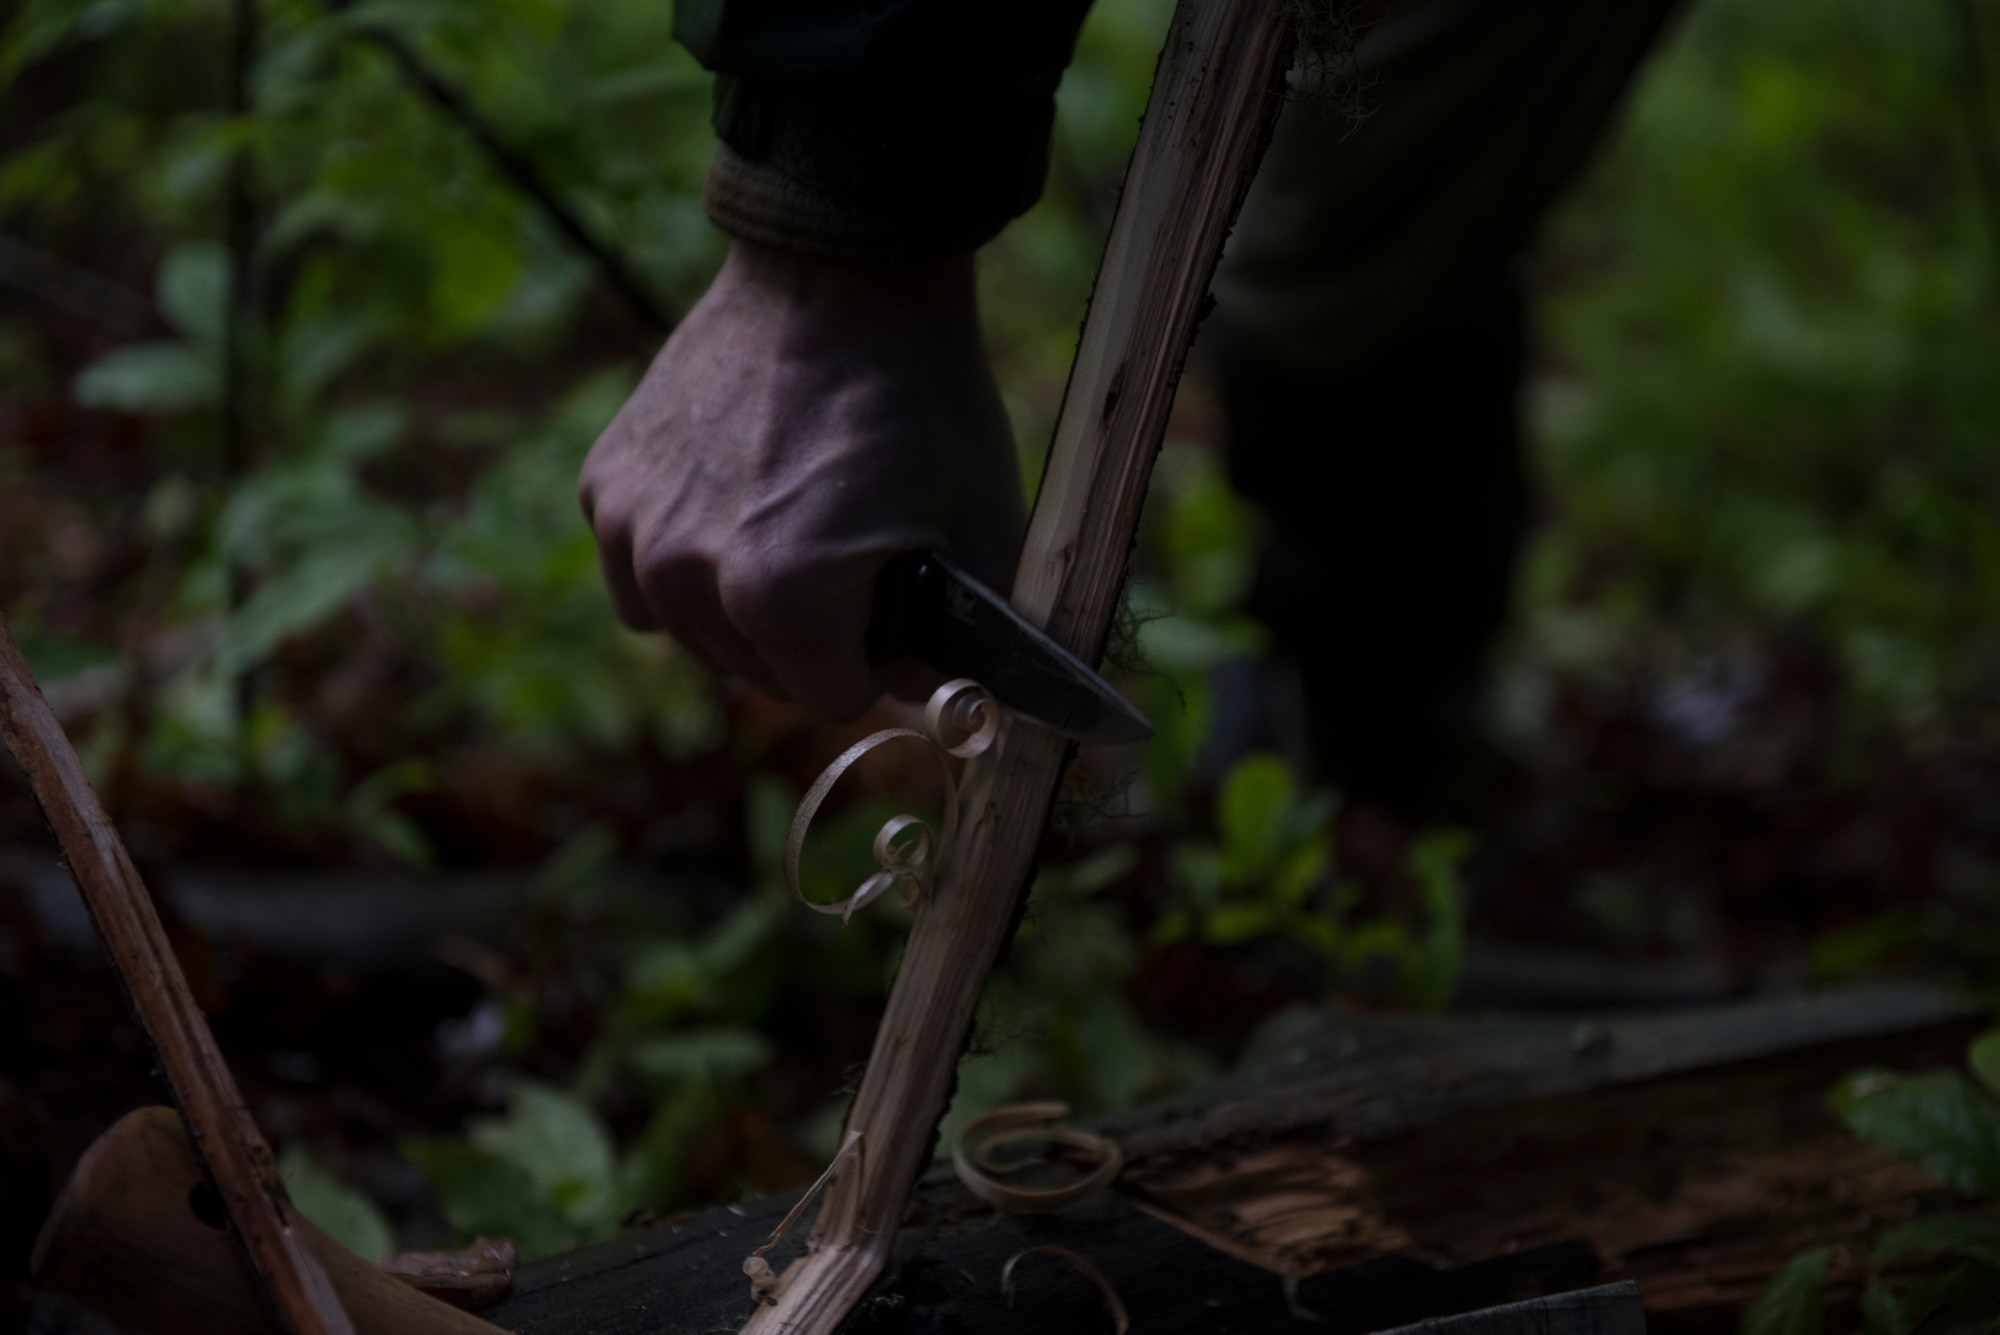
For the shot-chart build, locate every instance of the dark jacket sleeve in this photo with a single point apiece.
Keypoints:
(879, 129)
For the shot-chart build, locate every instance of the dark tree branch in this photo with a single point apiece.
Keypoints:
(518, 170)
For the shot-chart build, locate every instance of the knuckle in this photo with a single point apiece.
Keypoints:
(605, 510)
(767, 597)
(673, 574)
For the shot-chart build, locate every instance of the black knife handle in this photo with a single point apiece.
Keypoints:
(892, 625)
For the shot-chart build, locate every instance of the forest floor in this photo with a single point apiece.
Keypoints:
(1683, 827)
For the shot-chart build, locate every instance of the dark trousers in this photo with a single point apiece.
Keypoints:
(1370, 347)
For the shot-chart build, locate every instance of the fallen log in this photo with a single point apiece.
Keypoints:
(1398, 1169)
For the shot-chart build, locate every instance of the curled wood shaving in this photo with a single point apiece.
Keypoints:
(1120, 1322)
(904, 847)
(764, 1282)
(473, 1277)
(1299, 1311)
(1029, 1122)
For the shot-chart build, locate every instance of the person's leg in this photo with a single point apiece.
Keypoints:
(1369, 346)
(1396, 496)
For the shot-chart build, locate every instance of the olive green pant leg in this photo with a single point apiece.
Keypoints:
(1370, 346)
(1483, 113)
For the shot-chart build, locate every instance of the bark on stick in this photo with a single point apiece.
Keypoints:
(1215, 97)
(238, 1160)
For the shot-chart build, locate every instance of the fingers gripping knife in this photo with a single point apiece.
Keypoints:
(1215, 97)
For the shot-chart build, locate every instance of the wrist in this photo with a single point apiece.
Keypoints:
(938, 287)
(757, 201)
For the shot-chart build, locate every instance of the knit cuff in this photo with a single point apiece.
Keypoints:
(755, 201)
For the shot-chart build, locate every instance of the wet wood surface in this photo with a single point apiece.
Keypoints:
(1401, 1169)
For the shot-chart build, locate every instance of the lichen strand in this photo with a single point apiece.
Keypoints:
(1325, 74)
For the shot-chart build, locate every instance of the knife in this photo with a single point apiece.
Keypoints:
(928, 609)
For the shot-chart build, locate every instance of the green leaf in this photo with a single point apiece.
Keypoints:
(193, 290)
(1967, 1239)
(297, 599)
(1237, 923)
(1381, 939)
(1794, 1302)
(347, 1216)
(159, 377)
(313, 352)
(1856, 948)
(370, 813)
(1434, 861)
(1303, 869)
(1881, 1312)
(768, 806)
(1984, 1059)
(1937, 1119)
(562, 1147)
(363, 432)
(708, 1055)
(481, 1192)
(1961, 1301)
(1173, 925)
(663, 983)
(739, 936)
(1196, 870)
(35, 30)
(476, 269)
(653, 1170)
(1250, 813)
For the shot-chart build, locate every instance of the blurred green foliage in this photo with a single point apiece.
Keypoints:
(1268, 872)
(1951, 1126)
(349, 1218)
(1776, 314)
(1772, 321)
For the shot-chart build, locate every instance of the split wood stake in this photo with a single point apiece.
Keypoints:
(219, 1126)
(1215, 98)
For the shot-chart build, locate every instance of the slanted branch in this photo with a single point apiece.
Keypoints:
(239, 1162)
(1216, 95)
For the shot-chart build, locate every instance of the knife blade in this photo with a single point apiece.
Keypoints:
(929, 609)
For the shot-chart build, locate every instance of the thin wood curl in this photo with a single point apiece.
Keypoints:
(1021, 1122)
(1119, 1320)
(960, 706)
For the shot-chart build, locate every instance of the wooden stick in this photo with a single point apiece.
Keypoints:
(1216, 95)
(245, 1175)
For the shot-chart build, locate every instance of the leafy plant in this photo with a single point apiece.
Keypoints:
(1951, 1127)
(1771, 316)
(347, 1216)
(1769, 399)
(546, 1174)
(1269, 872)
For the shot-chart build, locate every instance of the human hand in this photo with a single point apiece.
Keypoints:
(805, 423)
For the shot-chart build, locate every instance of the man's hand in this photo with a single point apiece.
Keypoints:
(804, 424)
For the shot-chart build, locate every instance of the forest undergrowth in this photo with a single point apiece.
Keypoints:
(298, 378)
